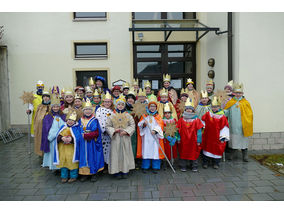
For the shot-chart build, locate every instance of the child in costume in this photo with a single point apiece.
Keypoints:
(173, 97)
(229, 90)
(210, 85)
(66, 152)
(89, 94)
(135, 85)
(165, 99)
(102, 114)
(151, 133)
(148, 90)
(125, 88)
(190, 127)
(204, 105)
(50, 126)
(180, 103)
(120, 126)
(91, 158)
(240, 116)
(116, 90)
(96, 100)
(170, 140)
(41, 112)
(78, 102)
(192, 92)
(80, 91)
(92, 84)
(215, 135)
(101, 85)
(68, 101)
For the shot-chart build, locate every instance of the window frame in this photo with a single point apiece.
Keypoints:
(94, 18)
(90, 56)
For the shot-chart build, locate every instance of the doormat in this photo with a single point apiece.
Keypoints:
(274, 162)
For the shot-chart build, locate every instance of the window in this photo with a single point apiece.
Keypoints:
(90, 50)
(83, 76)
(163, 15)
(151, 61)
(89, 15)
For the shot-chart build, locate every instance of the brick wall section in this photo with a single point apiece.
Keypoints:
(266, 140)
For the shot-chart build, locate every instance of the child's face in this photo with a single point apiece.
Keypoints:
(215, 108)
(125, 91)
(89, 94)
(97, 100)
(116, 93)
(166, 84)
(77, 103)
(69, 99)
(183, 98)
(136, 87)
(190, 86)
(228, 90)
(148, 90)
(188, 110)
(141, 99)
(107, 103)
(45, 98)
(88, 112)
(120, 106)
(55, 108)
(167, 115)
(130, 101)
(164, 98)
(99, 83)
(209, 89)
(93, 87)
(204, 101)
(239, 94)
(70, 122)
(152, 108)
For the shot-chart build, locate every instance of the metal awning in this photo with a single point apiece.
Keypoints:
(168, 26)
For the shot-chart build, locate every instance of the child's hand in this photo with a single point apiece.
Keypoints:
(153, 132)
(122, 133)
(117, 131)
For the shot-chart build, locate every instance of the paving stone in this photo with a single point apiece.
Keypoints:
(127, 189)
(214, 180)
(34, 198)
(12, 198)
(119, 196)
(262, 183)
(169, 187)
(87, 189)
(205, 186)
(260, 197)
(56, 197)
(278, 188)
(99, 196)
(142, 188)
(188, 193)
(224, 191)
(241, 197)
(186, 187)
(203, 192)
(278, 182)
(106, 189)
(27, 185)
(159, 194)
(77, 197)
(277, 195)
(215, 198)
(67, 190)
(171, 199)
(264, 189)
(195, 180)
(223, 185)
(241, 183)
(140, 195)
(26, 191)
(267, 177)
(46, 191)
(193, 198)
(244, 190)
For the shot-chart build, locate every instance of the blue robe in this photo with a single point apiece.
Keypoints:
(49, 156)
(77, 136)
(91, 152)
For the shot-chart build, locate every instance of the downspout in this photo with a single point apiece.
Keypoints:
(230, 46)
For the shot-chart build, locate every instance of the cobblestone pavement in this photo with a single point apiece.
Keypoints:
(22, 178)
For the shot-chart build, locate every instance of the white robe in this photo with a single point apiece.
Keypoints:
(150, 143)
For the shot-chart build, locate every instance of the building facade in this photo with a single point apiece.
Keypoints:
(65, 49)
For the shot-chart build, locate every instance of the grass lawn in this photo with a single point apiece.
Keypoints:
(274, 161)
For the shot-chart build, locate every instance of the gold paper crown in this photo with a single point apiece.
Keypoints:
(147, 84)
(184, 91)
(78, 97)
(54, 100)
(87, 104)
(40, 84)
(230, 83)
(46, 92)
(166, 77)
(152, 98)
(91, 81)
(188, 103)
(167, 108)
(189, 81)
(63, 90)
(131, 91)
(125, 85)
(88, 89)
(121, 98)
(216, 101)
(238, 87)
(69, 91)
(107, 96)
(97, 94)
(164, 92)
(204, 94)
(135, 82)
(210, 83)
(141, 92)
(71, 115)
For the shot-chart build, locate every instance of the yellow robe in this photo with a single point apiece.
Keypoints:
(246, 115)
(36, 102)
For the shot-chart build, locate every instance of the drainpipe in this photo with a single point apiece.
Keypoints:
(230, 46)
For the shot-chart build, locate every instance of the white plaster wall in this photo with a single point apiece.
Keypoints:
(261, 67)
(40, 48)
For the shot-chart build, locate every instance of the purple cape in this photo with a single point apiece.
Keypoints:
(46, 125)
